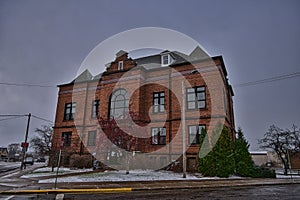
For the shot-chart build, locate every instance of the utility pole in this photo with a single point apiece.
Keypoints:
(183, 131)
(25, 144)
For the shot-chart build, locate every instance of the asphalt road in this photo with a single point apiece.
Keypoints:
(274, 192)
(8, 166)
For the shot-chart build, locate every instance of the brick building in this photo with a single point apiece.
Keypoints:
(151, 87)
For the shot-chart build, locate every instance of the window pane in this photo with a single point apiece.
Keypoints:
(165, 60)
(201, 96)
(91, 138)
(155, 108)
(191, 97)
(190, 90)
(200, 128)
(119, 103)
(162, 108)
(201, 104)
(163, 131)
(162, 140)
(119, 112)
(192, 129)
(200, 89)
(191, 105)
(119, 98)
(192, 139)
(68, 110)
(155, 139)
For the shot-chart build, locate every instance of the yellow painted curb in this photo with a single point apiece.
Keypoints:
(101, 190)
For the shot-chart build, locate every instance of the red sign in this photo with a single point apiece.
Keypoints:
(24, 144)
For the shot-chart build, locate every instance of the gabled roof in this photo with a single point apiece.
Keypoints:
(84, 76)
(120, 53)
(152, 62)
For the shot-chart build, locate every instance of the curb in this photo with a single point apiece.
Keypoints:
(56, 191)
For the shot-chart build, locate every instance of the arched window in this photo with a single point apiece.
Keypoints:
(119, 103)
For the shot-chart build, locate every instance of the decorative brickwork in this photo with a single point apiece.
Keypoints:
(166, 80)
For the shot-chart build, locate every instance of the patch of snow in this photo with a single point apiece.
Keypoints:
(47, 171)
(134, 175)
(287, 176)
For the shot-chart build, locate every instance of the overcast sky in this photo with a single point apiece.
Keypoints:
(44, 42)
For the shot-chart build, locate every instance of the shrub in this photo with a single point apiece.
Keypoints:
(81, 161)
(261, 172)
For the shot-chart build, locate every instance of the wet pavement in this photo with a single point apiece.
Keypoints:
(239, 188)
(274, 192)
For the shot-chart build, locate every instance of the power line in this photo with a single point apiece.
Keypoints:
(26, 85)
(8, 117)
(46, 120)
(267, 80)
(11, 118)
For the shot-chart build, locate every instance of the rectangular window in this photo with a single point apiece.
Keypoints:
(158, 135)
(165, 60)
(194, 133)
(91, 138)
(67, 136)
(120, 65)
(95, 108)
(158, 102)
(196, 97)
(70, 109)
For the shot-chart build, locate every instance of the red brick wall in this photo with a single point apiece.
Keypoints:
(142, 99)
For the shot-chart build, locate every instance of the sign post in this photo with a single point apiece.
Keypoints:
(183, 131)
(25, 143)
(58, 162)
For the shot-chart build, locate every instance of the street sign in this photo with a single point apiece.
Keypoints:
(24, 144)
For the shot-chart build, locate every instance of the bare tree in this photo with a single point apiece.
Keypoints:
(283, 142)
(295, 133)
(41, 143)
(116, 131)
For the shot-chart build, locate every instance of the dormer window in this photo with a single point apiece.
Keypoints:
(120, 65)
(166, 59)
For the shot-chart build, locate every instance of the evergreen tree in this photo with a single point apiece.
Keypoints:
(219, 161)
(243, 160)
(206, 164)
(224, 154)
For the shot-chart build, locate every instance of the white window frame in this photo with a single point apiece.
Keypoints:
(120, 65)
(156, 134)
(195, 132)
(170, 60)
(91, 140)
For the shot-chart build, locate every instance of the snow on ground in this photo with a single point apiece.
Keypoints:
(288, 176)
(134, 175)
(47, 171)
(292, 174)
(112, 176)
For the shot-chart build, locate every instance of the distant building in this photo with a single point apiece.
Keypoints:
(295, 160)
(3, 153)
(77, 110)
(265, 158)
(260, 158)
